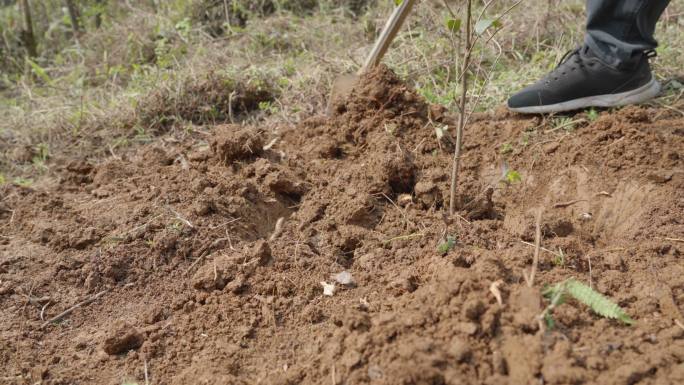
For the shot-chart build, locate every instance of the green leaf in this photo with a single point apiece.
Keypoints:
(2, 179)
(453, 25)
(484, 24)
(513, 176)
(599, 303)
(398, 2)
(447, 245)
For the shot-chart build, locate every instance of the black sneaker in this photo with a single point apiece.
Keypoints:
(581, 80)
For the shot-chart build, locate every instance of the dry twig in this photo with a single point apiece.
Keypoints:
(277, 230)
(147, 378)
(494, 289)
(679, 323)
(71, 309)
(567, 204)
(537, 247)
(180, 217)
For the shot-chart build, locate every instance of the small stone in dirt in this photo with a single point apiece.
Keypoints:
(232, 142)
(344, 278)
(328, 288)
(122, 338)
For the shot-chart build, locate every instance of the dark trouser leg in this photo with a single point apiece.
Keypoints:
(618, 31)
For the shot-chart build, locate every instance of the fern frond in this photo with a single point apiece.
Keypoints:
(600, 304)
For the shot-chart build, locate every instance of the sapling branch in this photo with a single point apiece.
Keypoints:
(462, 110)
(465, 52)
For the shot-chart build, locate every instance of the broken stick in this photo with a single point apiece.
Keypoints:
(71, 309)
(537, 247)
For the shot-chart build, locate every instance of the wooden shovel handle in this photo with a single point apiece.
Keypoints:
(388, 33)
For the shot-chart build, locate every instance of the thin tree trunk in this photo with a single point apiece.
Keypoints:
(27, 34)
(73, 15)
(456, 167)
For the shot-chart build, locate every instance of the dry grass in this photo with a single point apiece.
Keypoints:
(150, 73)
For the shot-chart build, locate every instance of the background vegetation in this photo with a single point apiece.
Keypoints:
(100, 75)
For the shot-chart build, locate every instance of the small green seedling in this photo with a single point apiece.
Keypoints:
(597, 302)
(513, 176)
(559, 259)
(268, 107)
(2, 179)
(592, 114)
(447, 245)
(565, 123)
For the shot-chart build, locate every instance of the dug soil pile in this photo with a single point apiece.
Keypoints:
(189, 274)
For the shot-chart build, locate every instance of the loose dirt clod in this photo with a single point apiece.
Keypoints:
(233, 142)
(122, 338)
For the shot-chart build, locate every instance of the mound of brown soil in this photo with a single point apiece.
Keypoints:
(214, 251)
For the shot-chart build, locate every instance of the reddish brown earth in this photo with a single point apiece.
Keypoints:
(176, 235)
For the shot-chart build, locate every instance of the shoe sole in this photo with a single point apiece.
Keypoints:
(638, 95)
